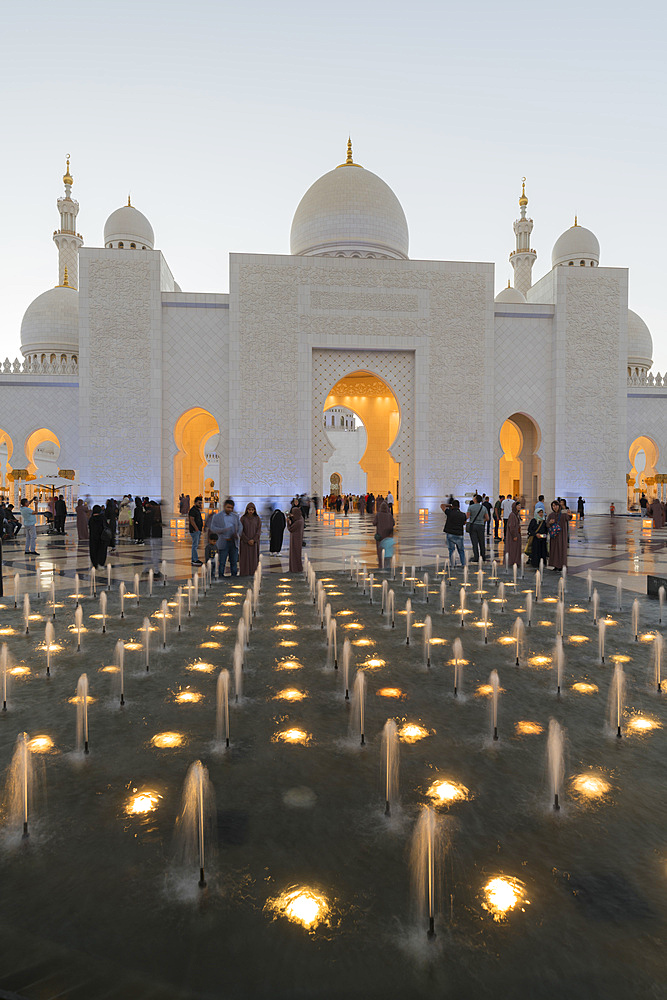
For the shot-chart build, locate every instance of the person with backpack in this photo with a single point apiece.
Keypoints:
(477, 516)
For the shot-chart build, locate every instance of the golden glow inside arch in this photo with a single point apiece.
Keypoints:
(519, 470)
(33, 442)
(192, 431)
(371, 399)
(643, 452)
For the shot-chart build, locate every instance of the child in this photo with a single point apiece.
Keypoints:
(387, 546)
(210, 551)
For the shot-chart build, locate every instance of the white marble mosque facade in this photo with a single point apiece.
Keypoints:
(116, 354)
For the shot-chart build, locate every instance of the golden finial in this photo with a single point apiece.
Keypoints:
(349, 162)
(67, 178)
(508, 283)
(66, 279)
(575, 222)
(129, 203)
(523, 200)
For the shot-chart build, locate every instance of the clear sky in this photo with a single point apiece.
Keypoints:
(217, 116)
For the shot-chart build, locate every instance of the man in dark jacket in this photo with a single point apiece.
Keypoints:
(454, 524)
(59, 515)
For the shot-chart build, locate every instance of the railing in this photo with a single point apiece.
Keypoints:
(17, 367)
(655, 381)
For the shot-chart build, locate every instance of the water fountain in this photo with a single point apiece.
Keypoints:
(26, 613)
(390, 758)
(20, 786)
(443, 584)
(52, 592)
(426, 857)
(195, 588)
(657, 660)
(413, 577)
(494, 572)
(164, 609)
(507, 563)
(529, 607)
(93, 582)
(447, 569)
(163, 571)
(501, 597)
(495, 690)
(121, 594)
(237, 662)
(327, 618)
(391, 605)
(514, 575)
(425, 581)
(589, 583)
(661, 600)
(103, 610)
(408, 621)
(108, 576)
(49, 638)
(77, 589)
(119, 657)
(151, 577)
(78, 625)
(518, 632)
(427, 635)
(619, 594)
(560, 617)
(146, 629)
(17, 586)
(332, 647)
(82, 713)
(195, 826)
(136, 587)
(179, 602)
(617, 699)
(462, 605)
(222, 707)
(4, 670)
(457, 650)
(371, 584)
(485, 621)
(602, 626)
(347, 656)
(247, 613)
(364, 581)
(465, 575)
(635, 619)
(538, 586)
(393, 567)
(357, 716)
(555, 761)
(188, 587)
(437, 565)
(240, 634)
(403, 576)
(321, 601)
(596, 604)
(561, 589)
(523, 564)
(559, 659)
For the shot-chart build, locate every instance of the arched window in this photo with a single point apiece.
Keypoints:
(570, 262)
(133, 246)
(120, 246)
(582, 263)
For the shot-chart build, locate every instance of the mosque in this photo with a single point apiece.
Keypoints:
(341, 365)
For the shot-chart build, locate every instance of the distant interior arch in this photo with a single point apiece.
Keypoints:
(643, 455)
(520, 467)
(42, 450)
(191, 432)
(6, 450)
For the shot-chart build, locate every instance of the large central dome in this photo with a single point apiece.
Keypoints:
(350, 212)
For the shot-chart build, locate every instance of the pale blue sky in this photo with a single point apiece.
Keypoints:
(218, 116)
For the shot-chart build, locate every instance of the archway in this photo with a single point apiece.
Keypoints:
(6, 449)
(348, 439)
(643, 455)
(519, 470)
(42, 450)
(192, 431)
(373, 402)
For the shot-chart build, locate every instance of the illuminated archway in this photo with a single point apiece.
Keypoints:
(6, 450)
(519, 470)
(42, 450)
(193, 429)
(643, 455)
(372, 400)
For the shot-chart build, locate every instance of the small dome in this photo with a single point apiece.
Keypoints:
(577, 246)
(510, 294)
(640, 342)
(127, 225)
(51, 322)
(350, 212)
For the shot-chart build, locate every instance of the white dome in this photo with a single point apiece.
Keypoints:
(51, 322)
(640, 342)
(350, 212)
(510, 295)
(576, 246)
(127, 225)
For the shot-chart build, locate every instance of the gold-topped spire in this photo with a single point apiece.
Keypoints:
(349, 162)
(575, 222)
(523, 200)
(508, 283)
(66, 279)
(129, 203)
(67, 178)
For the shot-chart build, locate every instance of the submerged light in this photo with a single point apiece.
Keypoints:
(302, 906)
(443, 791)
(503, 894)
(167, 740)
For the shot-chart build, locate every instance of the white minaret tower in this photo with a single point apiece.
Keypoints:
(523, 258)
(66, 238)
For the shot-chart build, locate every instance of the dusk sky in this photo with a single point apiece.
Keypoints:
(217, 117)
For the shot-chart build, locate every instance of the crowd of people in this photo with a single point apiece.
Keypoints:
(547, 535)
(364, 503)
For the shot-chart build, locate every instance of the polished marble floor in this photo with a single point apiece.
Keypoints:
(609, 546)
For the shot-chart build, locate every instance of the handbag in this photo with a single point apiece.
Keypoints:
(554, 528)
(470, 523)
(106, 536)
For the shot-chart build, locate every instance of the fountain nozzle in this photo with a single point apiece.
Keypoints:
(202, 880)
(387, 810)
(431, 927)
(363, 739)
(25, 831)
(495, 732)
(85, 747)
(556, 803)
(618, 732)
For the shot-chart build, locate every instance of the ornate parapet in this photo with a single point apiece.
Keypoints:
(16, 367)
(651, 381)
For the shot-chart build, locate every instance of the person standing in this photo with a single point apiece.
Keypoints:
(276, 531)
(455, 521)
(138, 519)
(489, 510)
(98, 537)
(557, 522)
(226, 524)
(384, 527)
(506, 506)
(195, 525)
(111, 514)
(82, 515)
(580, 508)
(643, 504)
(59, 516)
(497, 517)
(29, 519)
(655, 510)
(477, 515)
(390, 501)
(251, 530)
(538, 535)
(539, 507)
(513, 537)
(295, 527)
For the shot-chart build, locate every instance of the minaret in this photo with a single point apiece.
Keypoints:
(523, 258)
(66, 238)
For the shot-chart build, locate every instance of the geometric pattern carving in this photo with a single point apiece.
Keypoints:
(350, 387)
(397, 370)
